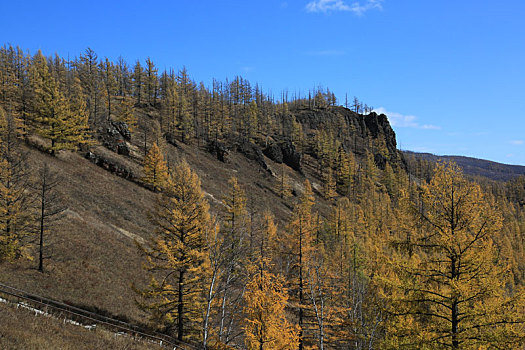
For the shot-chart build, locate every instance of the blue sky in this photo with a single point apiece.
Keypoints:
(449, 74)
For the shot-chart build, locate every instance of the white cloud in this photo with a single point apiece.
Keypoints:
(517, 142)
(405, 121)
(357, 7)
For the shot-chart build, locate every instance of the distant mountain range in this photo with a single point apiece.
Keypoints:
(477, 167)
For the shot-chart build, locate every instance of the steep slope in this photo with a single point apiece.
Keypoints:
(92, 258)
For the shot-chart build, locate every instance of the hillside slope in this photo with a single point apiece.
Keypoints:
(477, 167)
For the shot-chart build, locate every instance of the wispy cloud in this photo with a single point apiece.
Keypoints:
(326, 53)
(405, 121)
(516, 142)
(248, 69)
(357, 7)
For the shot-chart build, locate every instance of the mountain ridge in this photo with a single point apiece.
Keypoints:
(475, 166)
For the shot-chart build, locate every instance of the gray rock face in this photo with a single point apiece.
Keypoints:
(252, 152)
(353, 129)
(122, 129)
(274, 152)
(110, 166)
(115, 137)
(219, 150)
(291, 157)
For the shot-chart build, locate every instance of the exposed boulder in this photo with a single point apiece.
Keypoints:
(353, 129)
(123, 129)
(110, 166)
(218, 149)
(123, 148)
(274, 152)
(378, 124)
(291, 157)
(252, 152)
(380, 161)
(115, 136)
(170, 138)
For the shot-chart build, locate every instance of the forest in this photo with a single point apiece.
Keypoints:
(379, 249)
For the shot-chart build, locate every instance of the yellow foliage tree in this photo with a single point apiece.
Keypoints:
(234, 231)
(282, 185)
(446, 285)
(155, 169)
(15, 209)
(329, 185)
(176, 255)
(65, 124)
(297, 244)
(126, 113)
(265, 323)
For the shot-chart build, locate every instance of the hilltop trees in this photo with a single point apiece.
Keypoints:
(52, 117)
(176, 255)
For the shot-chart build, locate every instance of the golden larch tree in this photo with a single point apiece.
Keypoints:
(265, 323)
(446, 284)
(297, 246)
(15, 199)
(155, 169)
(176, 256)
(53, 117)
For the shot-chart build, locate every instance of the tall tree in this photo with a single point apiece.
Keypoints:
(448, 288)
(265, 323)
(155, 169)
(298, 245)
(89, 77)
(15, 200)
(110, 84)
(176, 255)
(138, 82)
(234, 230)
(151, 81)
(50, 207)
(53, 117)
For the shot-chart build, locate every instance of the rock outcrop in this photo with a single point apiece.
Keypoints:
(251, 151)
(115, 137)
(353, 130)
(110, 166)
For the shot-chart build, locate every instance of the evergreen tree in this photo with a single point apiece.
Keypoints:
(297, 246)
(151, 81)
(53, 117)
(155, 169)
(126, 113)
(176, 256)
(447, 288)
(15, 200)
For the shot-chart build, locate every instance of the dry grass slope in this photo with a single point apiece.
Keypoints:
(26, 331)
